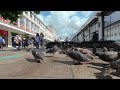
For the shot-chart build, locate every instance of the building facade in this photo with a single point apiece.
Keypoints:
(28, 24)
(105, 23)
(53, 31)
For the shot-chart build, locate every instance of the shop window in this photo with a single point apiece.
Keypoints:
(115, 34)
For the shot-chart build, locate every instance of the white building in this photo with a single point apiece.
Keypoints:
(28, 23)
(53, 31)
(105, 23)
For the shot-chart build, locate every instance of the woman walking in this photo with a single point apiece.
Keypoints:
(37, 40)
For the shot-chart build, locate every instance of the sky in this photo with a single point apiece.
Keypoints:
(66, 23)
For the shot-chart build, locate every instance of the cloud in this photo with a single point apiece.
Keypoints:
(66, 23)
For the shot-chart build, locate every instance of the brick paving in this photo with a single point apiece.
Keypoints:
(58, 67)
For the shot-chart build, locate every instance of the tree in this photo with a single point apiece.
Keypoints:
(13, 15)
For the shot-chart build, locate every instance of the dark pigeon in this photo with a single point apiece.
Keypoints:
(115, 65)
(116, 46)
(108, 56)
(77, 56)
(37, 54)
(53, 50)
(105, 75)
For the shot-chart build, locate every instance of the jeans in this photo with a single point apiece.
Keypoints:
(37, 45)
(19, 44)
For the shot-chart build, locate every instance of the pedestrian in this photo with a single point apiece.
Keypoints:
(95, 37)
(66, 40)
(1, 42)
(18, 41)
(42, 41)
(26, 42)
(37, 40)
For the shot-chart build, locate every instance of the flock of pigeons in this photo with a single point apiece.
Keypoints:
(83, 55)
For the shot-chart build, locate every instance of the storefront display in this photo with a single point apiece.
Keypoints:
(4, 34)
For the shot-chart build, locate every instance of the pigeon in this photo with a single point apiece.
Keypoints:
(115, 65)
(108, 56)
(77, 56)
(94, 50)
(37, 54)
(65, 46)
(87, 52)
(105, 75)
(116, 46)
(53, 50)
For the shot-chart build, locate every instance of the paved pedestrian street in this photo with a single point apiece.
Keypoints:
(16, 64)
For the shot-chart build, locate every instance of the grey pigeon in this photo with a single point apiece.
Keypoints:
(108, 56)
(115, 65)
(116, 46)
(105, 75)
(77, 56)
(37, 54)
(52, 50)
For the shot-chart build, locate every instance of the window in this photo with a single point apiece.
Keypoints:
(115, 34)
(27, 24)
(38, 22)
(98, 24)
(30, 15)
(32, 26)
(26, 12)
(22, 22)
(115, 27)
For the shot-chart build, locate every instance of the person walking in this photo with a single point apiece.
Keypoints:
(18, 41)
(42, 41)
(1, 42)
(37, 40)
(95, 37)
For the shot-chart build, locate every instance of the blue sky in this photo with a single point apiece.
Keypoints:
(66, 23)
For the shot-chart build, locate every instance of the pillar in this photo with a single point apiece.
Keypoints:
(9, 39)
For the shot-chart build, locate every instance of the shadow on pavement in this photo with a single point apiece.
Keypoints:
(48, 56)
(115, 74)
(95, 68)
(99, 64)
(64, 62)
(30, 60)
(100, 75)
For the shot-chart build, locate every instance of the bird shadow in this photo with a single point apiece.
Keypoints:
(100, 75)
(48, 56)
(100, 69)
(99, 64)
(115, 74)
(64, 62)
(30, 60)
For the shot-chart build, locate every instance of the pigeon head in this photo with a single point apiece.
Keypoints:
(67, 53)
(105, 49)
(76, 49)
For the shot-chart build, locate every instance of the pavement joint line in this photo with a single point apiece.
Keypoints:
(73, 76)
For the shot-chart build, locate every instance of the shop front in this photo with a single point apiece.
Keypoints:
(4, 34)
